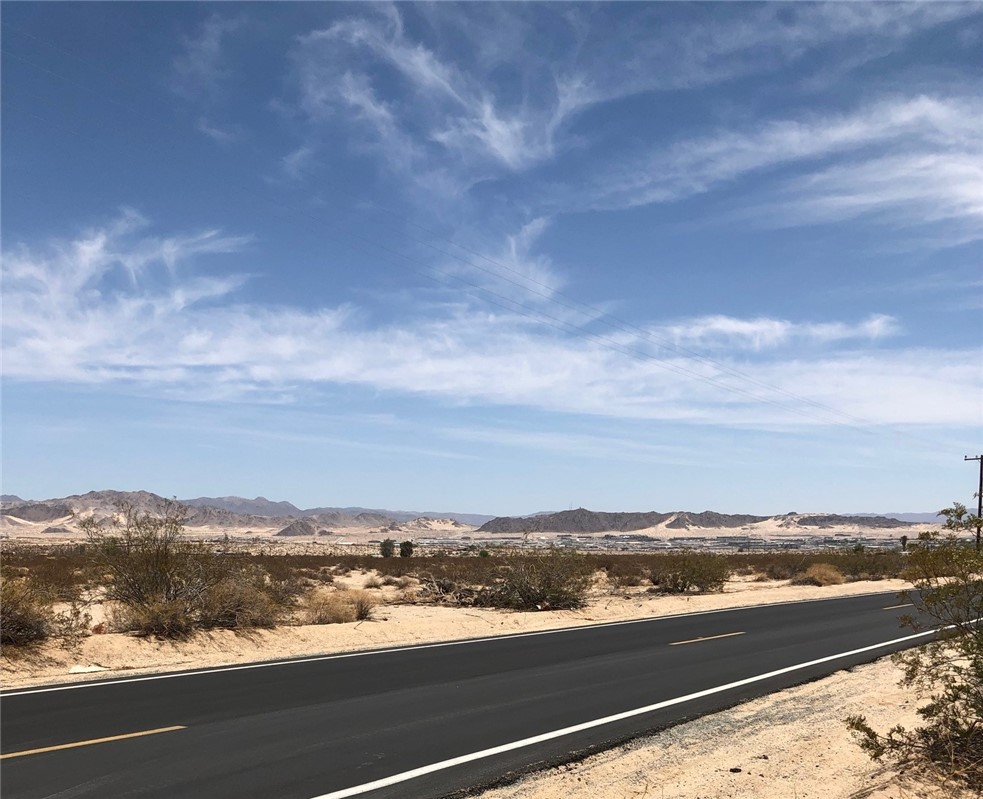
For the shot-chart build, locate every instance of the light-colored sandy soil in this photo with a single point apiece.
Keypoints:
(791, 745)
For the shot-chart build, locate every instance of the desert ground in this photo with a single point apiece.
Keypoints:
(790, 744)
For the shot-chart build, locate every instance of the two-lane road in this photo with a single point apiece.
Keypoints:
(422, 721)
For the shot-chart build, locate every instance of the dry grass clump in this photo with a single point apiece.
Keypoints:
(819, 574)
(338, 607)
(401, 583)
(372, 581)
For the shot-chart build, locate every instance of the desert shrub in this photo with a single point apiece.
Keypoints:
(819, 574)
(628, 580)
(406, 549)
(692, 571)
(372, 582)
(327, 607)
(549, 580)
(26, 616)
(160, 617)
(247, 599)
(166, 585)
(61, 571)
(780, 570)
(363, 604)
(853, 564)
(338, 607)
(947, 573)
(387, 548)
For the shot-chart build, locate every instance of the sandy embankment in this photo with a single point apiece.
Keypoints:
(790, 744)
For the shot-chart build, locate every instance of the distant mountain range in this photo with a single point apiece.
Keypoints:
(217, 511)
(260, 506)
(239, 512)
(917, 518)
(582, 520)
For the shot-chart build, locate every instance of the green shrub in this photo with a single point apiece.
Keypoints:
(947, 573)
(387, 548)
(548, 580)
(166, 585)
(693, 571)
(406, 549)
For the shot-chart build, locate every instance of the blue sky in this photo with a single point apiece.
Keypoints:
(496, 258)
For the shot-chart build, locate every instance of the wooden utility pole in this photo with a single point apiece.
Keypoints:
(979, 497)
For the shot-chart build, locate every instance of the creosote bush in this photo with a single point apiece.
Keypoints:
(820, 574)
(545, 580)
(693, 571)
(947, 573)
(163, 584)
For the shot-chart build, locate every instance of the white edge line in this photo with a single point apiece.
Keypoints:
(548, 736)
(365, 652)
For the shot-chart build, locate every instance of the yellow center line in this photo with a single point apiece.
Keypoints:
(903, 605)
(706, 638)
(91, 742)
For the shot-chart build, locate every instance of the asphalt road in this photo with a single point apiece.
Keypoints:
(422, 721)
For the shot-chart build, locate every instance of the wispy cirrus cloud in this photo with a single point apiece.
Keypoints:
(200, 67)
(440, 109)
(730, 333)
(512, 269)
(199, 70)
(912, 160)
(118, 306)
(500, 104)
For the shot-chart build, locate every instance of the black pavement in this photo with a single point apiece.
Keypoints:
(313, 727)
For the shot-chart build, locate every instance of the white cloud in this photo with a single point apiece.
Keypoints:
(727, 332)
(443, 109)
(906, 191)
(116, 306)
(512, 271)
(916, 160)
(296, 163)
(217, 133)
(505, 98)
(199, 67)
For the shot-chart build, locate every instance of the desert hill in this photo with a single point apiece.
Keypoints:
(582, 520)
(223, 512)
